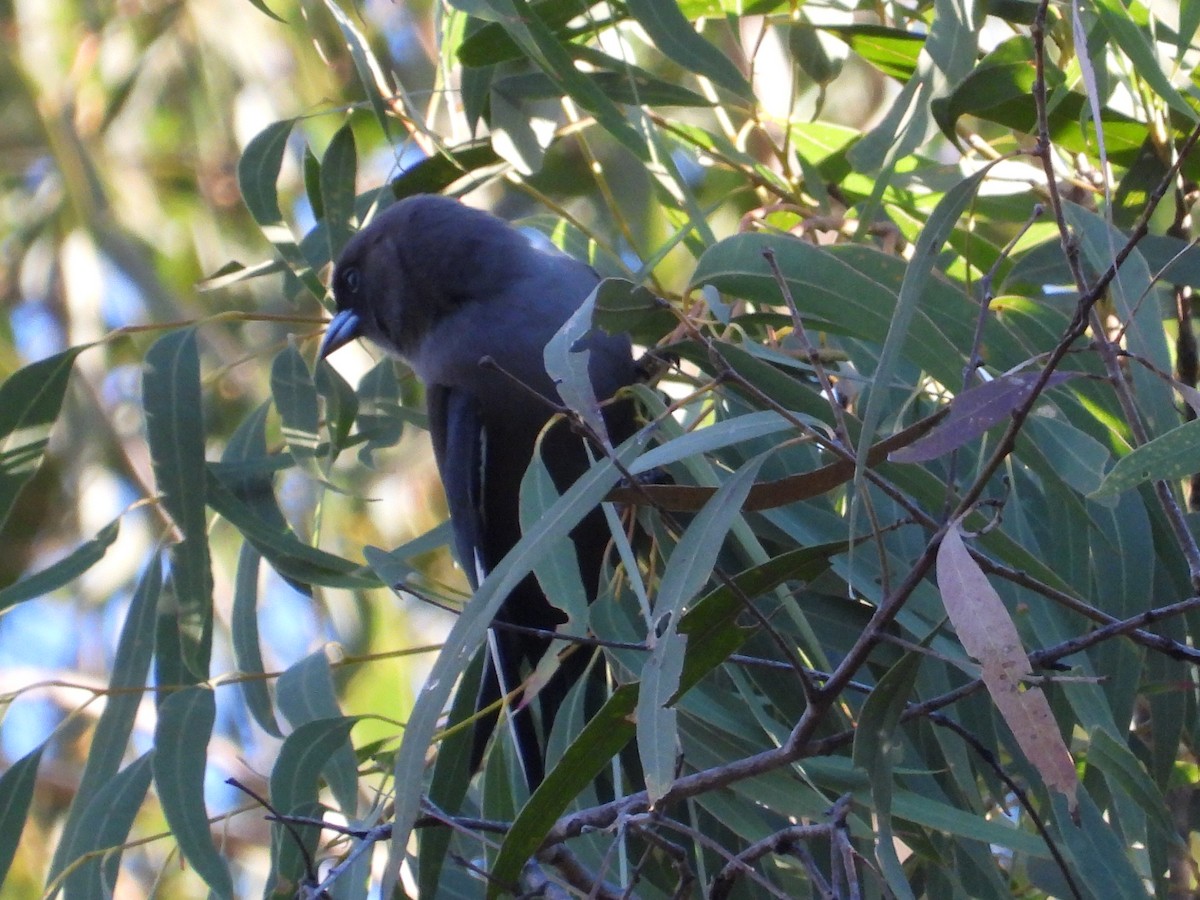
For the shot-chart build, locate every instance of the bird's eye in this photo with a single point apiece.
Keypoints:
(351, 280)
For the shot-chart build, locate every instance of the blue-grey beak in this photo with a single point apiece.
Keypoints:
(344, 328)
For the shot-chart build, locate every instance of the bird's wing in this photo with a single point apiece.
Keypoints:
(456, 427)
(460, 445)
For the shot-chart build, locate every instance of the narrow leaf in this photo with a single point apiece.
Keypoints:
(892, 51)
(601, 739)
(673, 34)
(566, 358)
(246, 651)
(380, 418)
(718, 436)
(103, 827)
(65, 570)
(16, 793)
(30, 400)
(185, 721)
(540, 44)
(1175, 454)
(371, 75)
(295, 397)
(339, 169)
(305, 694)
(175, 430)
(295, 788)
(875, 752)
(912, 291)
(687, 570)
(258, 172)
(341, 405)
(1136, 44)
(111, 737)
(287, 554)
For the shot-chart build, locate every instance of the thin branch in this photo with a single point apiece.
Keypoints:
(785, 841)
(1022, 796)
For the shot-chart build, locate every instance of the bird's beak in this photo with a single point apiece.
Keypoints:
(344, 328)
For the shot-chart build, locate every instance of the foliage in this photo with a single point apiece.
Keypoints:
(913, 614)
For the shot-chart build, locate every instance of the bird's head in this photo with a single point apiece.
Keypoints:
(416, 262)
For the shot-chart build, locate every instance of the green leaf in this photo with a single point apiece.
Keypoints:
(16, 793)
(623, 307)
(673, 35)
(875, 746)
(1175, 454)
(491, 44)
(1135, 300)
(295, 789)
(287, 554)
(1137, 45)
(305, 695)
(185, 722)
(1095, 853)
(62, 572)
(849, 296)
(558, 571)
(243, 626)
(540, 44)
(601, 739)
(104, 825)
(258, 172)
(451, 777)
(711, 624)
(912, 294)
(718, 436)
(688, 568)
(436, 173)
(629, 88)
(131, 664)
(312, 183)
(234, 272)
(295, 397)
(339, 169)
(175, 431)
(999, 89)
(812, 53)
(341, 405)
(371, 74)
(1079, 459)
(381, 418)
(892, 51)
(1127, 775)
(262, 7)
(393, 567)
(513, 135)
(30, 400)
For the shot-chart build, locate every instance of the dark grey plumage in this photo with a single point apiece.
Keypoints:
(444, 286)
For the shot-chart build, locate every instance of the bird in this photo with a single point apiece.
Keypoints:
(469, 303)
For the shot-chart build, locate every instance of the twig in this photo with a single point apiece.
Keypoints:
(1089, 296)
(993, 763)
(785, 841)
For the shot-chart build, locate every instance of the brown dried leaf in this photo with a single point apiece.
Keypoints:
(988, 634)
